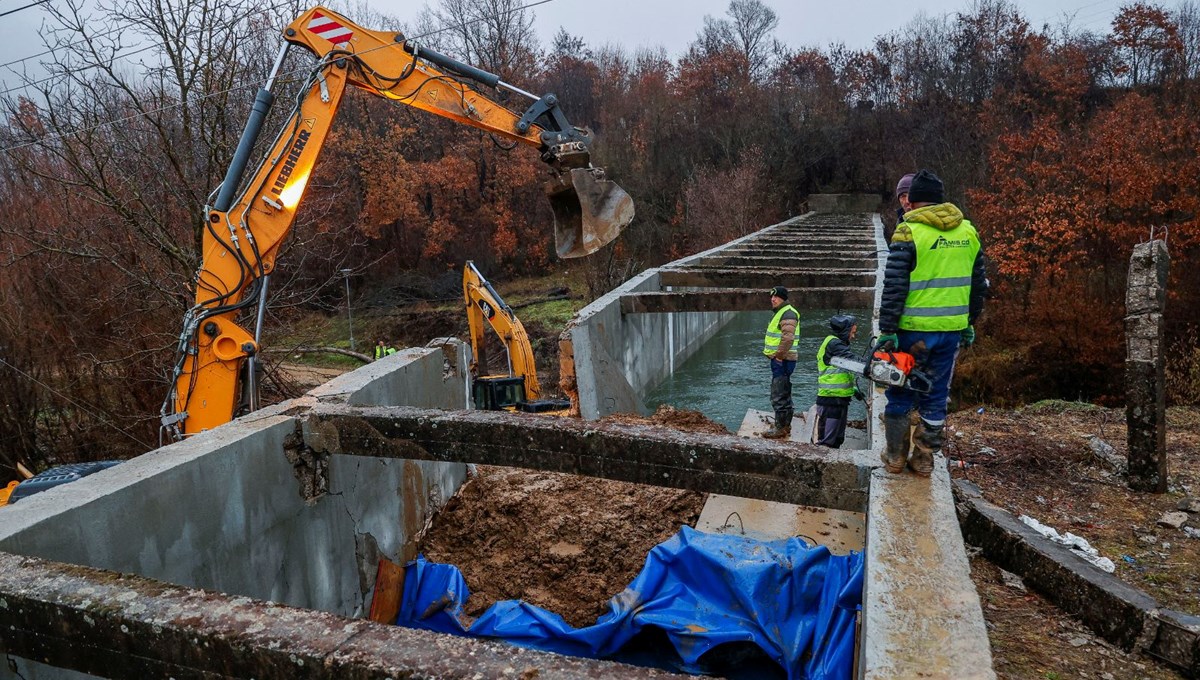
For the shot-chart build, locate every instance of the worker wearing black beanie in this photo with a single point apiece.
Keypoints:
(934, 287)
(926, 188)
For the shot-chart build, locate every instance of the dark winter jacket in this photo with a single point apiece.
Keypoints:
(839, 347)
(902, 260)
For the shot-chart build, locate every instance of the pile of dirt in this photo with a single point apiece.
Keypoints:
(677, 418)
(1043, 461)
(563, 542)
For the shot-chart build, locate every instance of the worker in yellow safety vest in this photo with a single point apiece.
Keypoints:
(934, 288)
(779, 346)
(382, 350)
(835, 386)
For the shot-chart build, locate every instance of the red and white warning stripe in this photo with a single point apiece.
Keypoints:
(328, 28)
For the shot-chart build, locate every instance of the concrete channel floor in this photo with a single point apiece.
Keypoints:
(839, 530)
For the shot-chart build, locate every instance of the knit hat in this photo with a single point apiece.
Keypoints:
(926, 188)
(779, 292)
(842, 323)
(903, 185)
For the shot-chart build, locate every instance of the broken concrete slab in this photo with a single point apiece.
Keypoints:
(119, 625)
(1100, 600)
(644, 454)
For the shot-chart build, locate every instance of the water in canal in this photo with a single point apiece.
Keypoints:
(730, 374)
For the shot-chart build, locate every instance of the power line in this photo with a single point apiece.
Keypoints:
(53, 49)
(52, 77)
(59, 135)
(32, 4)
(77, 404)
(201, 30)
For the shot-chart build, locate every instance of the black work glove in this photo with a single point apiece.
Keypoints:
(858, 394)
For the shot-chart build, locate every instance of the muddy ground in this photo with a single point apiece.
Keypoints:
(1031, 638)
(563, 542)
(1037, 461)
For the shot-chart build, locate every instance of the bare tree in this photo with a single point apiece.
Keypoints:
(106, 168)
(747, 30)
(496, 35)
(753, 22)
(1187, 17)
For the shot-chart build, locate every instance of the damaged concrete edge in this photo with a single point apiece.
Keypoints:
(1111, 608)
(645, 454)
(88, 620)
(419, 376)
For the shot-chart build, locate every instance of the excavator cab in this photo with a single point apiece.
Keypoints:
(507, 393)
(499, 393)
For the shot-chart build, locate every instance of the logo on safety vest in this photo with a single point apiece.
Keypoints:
(329, 29)
(943, 242)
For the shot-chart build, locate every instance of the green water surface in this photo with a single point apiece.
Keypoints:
(730, 374)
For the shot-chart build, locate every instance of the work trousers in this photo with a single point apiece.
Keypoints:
(937, 360)
(831, 424)
(781, 389)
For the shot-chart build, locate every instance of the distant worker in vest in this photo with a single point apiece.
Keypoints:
(779, 346)
(835, 386)
(934, 288)
(382, 350)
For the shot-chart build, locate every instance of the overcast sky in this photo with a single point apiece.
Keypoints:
(668, 23)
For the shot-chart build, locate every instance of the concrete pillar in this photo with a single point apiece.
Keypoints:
(1145, 395)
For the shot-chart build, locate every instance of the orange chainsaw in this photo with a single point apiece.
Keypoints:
(888, 368)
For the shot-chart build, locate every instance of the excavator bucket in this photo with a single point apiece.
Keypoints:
(589, 211)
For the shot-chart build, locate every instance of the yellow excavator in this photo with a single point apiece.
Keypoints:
(518, 390)
(214, 375)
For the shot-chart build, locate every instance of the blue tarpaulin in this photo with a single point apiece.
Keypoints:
(702, 590)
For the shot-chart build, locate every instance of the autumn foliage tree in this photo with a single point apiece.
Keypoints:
(1065, 147)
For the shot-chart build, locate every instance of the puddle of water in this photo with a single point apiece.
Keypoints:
(729, 374)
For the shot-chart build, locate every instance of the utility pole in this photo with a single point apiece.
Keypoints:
(349, 313)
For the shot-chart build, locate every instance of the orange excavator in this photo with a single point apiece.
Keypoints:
(518, 389)
(214, 375)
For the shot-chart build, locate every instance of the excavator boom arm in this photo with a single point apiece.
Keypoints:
(243, 232)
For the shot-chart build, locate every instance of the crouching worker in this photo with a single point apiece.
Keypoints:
(835, 386)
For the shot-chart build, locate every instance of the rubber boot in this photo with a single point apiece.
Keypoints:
(926, 442)
(782, 428)
(895, 452)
